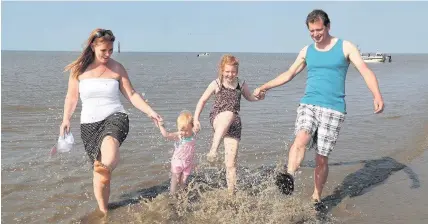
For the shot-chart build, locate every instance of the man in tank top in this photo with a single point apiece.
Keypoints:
(322, 109)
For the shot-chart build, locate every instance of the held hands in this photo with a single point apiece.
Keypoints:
(259, 94)
(378, 105)
(160, 123)
(196, 126)
(157, 119)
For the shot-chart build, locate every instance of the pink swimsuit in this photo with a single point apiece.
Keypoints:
(182, 159)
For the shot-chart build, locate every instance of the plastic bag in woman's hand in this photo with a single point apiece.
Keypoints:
(65, 143)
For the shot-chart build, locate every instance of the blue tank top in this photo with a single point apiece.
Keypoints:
(325, 85)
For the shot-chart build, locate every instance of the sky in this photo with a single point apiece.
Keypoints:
(217, 26)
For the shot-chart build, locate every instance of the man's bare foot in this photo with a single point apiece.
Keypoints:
(318, 205)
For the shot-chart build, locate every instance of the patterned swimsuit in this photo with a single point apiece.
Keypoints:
(228, 100)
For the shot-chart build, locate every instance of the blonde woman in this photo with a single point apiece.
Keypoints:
(104, 123)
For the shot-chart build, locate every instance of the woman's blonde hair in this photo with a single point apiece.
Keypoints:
(184, 119)
(226, 60)
(87, 56)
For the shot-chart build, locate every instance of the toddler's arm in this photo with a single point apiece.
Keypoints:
(175, 136)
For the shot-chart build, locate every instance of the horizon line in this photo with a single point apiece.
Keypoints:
(196, 52)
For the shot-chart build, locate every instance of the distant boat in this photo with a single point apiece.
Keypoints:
(204, 54)
(376, 58)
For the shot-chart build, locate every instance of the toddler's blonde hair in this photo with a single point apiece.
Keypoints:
(184, 119)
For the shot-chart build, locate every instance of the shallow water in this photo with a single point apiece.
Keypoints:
(372, 149)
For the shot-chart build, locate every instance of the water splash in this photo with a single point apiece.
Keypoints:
(206, 200)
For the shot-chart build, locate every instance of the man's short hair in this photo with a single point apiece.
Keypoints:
(317, 14)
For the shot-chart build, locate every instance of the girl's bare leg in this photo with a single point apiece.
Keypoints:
(221, 124)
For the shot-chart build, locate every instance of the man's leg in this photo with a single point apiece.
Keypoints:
(306, 125)
(285, 181)
(297, 151)
(320, 175)
(328, 133)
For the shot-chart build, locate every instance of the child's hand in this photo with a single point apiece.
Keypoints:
(256, 92)
(160, 123)
(259, 94)
(156, 118)
(262, 95)
(196, 126)
(180, 135)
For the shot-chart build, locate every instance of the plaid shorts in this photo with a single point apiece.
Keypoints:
(322, 124)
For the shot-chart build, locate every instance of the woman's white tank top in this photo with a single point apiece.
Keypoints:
(100, 98)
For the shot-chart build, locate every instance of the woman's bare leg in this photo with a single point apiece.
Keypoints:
(102, 171)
